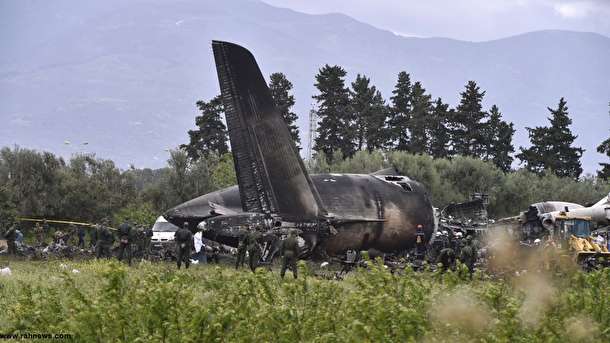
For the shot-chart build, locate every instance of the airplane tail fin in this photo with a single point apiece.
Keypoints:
(270, 173)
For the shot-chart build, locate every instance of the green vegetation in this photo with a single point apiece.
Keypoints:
(454, 180)
(109, 302)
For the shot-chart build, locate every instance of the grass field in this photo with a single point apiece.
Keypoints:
(102, 301)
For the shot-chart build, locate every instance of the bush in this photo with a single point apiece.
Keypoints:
(108, 301)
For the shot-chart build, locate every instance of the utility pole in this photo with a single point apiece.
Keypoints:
(313, 126)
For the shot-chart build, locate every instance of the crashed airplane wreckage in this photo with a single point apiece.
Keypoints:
(331, 212)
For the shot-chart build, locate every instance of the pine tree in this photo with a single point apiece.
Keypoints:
(438, 146)
(419, 119)
(604, 148)
(500, 140)
(369, 111)
(468, 138)
(552, 146)
(336, 127)
(211, 133)
(280, 89)
(400, 111)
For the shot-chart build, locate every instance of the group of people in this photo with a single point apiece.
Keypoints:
(446, 247)
(131, 238)
(250, 243)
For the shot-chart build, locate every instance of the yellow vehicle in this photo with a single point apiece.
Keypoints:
(576, 233)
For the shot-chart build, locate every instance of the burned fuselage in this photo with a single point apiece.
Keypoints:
(274, 192)
(367, 211)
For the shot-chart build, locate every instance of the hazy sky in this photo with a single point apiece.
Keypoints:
(474, 20)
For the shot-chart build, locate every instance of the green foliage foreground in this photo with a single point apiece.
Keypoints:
(109, 302)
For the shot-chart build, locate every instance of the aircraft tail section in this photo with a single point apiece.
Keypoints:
(270, 173)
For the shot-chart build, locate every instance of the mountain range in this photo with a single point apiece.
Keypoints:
(121, 78)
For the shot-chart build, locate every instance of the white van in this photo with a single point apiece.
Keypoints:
(163, 232)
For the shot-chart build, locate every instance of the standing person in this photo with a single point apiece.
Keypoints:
(148, 234)
(200, 247)
(241, 249)
(93, 236)
(18, 237)
(46, 229)
(39, 233)
(11, 235)
(184, 244)
(420, 245)
(436, 245)
(125, 238)
(81, 232)
(105, 239)
(468, 254)
(254, 252)
(290, 254)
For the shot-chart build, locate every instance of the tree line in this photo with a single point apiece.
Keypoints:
(452, 151)
(358, 118)
(86, 188)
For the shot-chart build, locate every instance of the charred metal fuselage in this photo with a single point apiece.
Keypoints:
(367, 211)
(274, 191)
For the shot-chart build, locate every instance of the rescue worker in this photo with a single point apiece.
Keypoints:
(436, 245)
(184, 244)
(46, 229)
(290, 254)
(241, 249)
(148, 233)
(105, 239)
(81, 237)
(139, 238)
(447, 258)
(468, 254)
(420, 245)
(11, 235)
(39, 233)
(18, 237)
(125, 240)
(254, 252)
(93, 236)
(58, 237)
(215, 251)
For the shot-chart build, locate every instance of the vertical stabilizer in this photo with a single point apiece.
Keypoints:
(270, 173)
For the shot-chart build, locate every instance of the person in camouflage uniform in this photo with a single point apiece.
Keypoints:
(254, 253)
(39, 233)
(241, 249)
(93, 236)
(105, 239)
(81, 233)
(468, 254)
(125, 240)
(11, 235)
(184, 245)
(290, 254)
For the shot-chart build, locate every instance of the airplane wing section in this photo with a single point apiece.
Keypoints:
(270, 173)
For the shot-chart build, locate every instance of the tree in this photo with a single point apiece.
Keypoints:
(468, 138)
(500, 140)
(419, 118)
(552, 146)
(335, 130)
(438, 132)
(400, 112)
(211, 133)
(369, 111)
(280, 89)
(604, 148)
